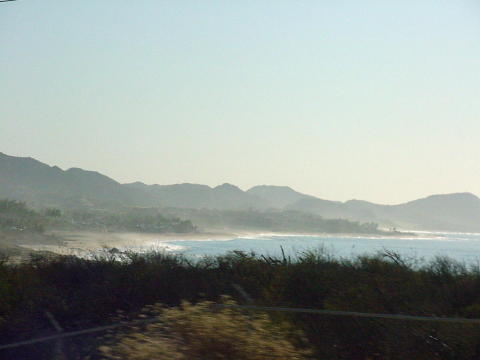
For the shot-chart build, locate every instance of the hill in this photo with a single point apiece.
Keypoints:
(41, 185)
(196, 196)
(447, 212)
(277, 196)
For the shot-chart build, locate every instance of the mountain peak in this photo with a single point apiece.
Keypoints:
(452, 197)
(228, 187)
(136, 184)
(459, 195)
(272, 188)
(277, 196)
(27, 179)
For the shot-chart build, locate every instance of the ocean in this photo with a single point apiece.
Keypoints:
(424, 246)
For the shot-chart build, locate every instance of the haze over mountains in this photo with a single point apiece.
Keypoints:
(41, 185)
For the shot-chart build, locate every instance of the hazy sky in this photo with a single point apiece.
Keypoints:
(375, 100)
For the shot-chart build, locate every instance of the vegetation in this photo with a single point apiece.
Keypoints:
(16, 216)
(128, 219)
(85, 293)
(175, 220)
(275, 221)
(52, 212)
(200, 332)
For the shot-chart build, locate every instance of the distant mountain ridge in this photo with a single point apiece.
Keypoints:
(41, 185)
(277, 196)
(32, 181)
(225, 196)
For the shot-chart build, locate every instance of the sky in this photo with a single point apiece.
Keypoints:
(374, 100)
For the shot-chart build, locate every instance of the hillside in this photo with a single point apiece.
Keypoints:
(448, 212)
(286, 221)
(277, 196)
(38, 184)
(41, 185)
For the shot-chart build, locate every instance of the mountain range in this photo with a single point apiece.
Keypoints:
(41, 185)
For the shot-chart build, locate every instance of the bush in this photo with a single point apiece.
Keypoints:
(203, 332)
(16, 216)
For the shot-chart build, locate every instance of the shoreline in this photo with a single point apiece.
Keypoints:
(84, 243)
(94, 240)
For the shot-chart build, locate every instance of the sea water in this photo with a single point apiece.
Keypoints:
(423, 246)
(420, 246)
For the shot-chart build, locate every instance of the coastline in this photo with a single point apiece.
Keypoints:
(91, 240)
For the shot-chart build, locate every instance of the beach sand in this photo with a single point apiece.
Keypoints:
(75, 242)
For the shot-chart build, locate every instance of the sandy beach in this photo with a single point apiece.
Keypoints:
(74, 242)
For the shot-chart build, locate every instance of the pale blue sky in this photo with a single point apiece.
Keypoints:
(377, 100)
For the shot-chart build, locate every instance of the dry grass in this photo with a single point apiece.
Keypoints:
(202, 332)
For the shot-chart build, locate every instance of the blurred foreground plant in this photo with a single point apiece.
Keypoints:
(203, 331)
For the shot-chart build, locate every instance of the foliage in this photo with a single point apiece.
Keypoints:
(287, 221)
(85, 293)
(129, 219)
(16, 216)
(53, 212)
(201, 331)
